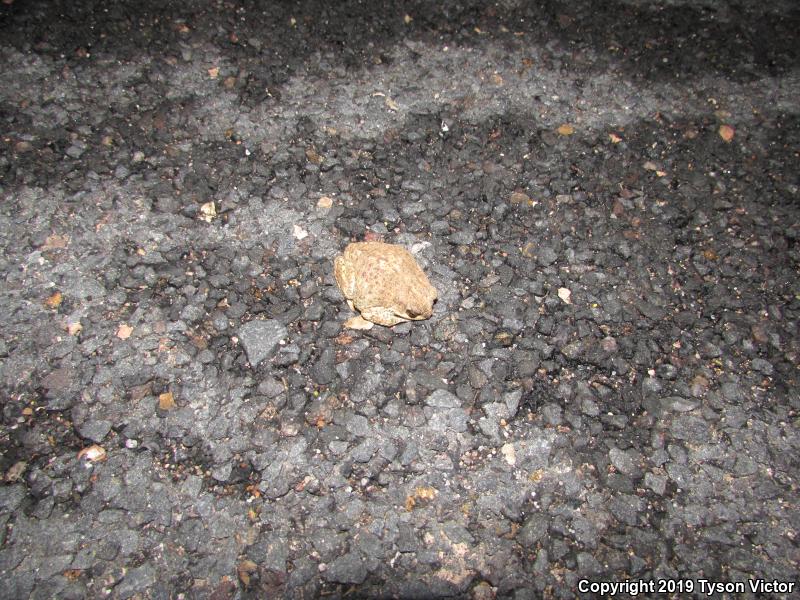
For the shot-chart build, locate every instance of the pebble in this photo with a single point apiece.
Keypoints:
(442, 399)
(260, 339)
(349, 568)
(95, 430)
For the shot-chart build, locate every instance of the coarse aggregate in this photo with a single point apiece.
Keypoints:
(605, 195)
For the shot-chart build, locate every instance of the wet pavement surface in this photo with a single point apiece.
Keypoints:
(605, 196)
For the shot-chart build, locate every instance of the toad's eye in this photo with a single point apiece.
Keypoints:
(412, 313)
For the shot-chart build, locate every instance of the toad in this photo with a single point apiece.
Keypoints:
(384, 283)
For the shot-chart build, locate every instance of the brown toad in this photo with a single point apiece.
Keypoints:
(384, 283)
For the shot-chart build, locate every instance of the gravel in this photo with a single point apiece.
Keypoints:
(604, 195)
(260, 338)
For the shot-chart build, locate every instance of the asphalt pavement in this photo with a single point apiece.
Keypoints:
(604, 401)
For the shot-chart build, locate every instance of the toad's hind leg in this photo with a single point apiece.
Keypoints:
(358, 322)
